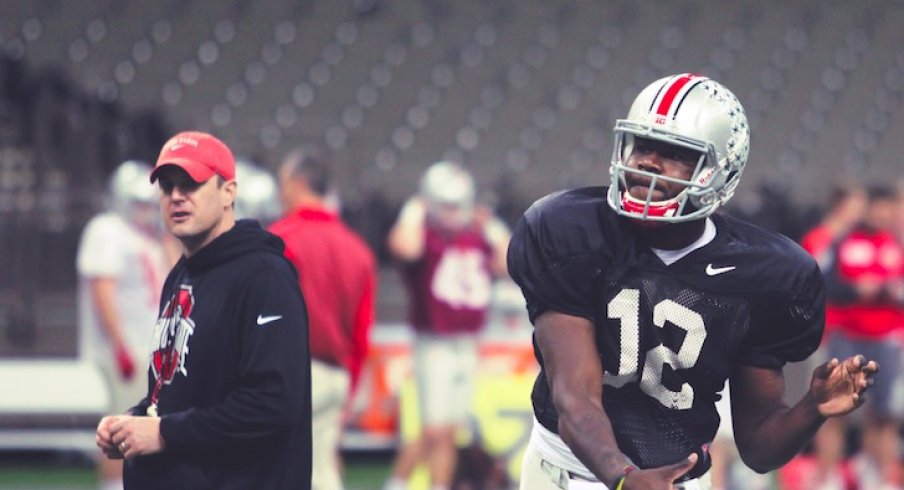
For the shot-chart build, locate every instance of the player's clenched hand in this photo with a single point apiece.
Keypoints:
(659, 478)
(839, 387)
(136, 436)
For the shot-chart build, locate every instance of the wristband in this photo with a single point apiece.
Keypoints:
(620, 481)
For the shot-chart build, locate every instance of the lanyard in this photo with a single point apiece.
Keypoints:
(168, 356)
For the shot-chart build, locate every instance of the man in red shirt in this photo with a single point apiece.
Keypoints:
(844, 211)
(846, 205)
(337, 272)
(864, 284)
(449, 250)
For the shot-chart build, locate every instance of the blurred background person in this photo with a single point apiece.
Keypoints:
(863, 283)
(449, 249)
(846, 204)
(844, 210)
(337, 273)
(259, 199)
(121, 266)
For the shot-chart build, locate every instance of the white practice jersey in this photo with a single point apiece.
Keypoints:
(111, 247)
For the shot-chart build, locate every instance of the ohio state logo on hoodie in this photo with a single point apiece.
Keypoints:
(171, 334)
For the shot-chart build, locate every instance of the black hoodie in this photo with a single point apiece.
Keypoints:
(231, 347)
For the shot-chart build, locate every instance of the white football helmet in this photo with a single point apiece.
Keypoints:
(131, 195)
(258, 193)
(448, 190)
(690, 111)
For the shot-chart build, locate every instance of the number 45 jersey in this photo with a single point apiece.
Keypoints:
(450, 286)
(668, 336)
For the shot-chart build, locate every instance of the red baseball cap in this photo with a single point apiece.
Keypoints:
(200, 154)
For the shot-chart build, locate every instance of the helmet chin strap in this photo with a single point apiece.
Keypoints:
(631, 204)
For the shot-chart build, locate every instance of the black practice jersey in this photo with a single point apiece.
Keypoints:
(668, 335)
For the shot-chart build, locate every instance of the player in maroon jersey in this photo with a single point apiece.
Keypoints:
(449, 250)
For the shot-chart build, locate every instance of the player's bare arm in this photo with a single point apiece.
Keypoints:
(406, 237)
(768, 432)
(103, 293)
(575, 375)
(498, 236)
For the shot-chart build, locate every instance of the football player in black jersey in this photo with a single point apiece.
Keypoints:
(644, 303)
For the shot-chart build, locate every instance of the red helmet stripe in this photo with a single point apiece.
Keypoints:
(671, 93)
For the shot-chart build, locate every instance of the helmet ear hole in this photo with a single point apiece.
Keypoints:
(731, 175)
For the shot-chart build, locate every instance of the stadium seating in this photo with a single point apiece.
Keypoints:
(524, 92)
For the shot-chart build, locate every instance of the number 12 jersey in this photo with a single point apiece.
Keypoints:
(668, 336)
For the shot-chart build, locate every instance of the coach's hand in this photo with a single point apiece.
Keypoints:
(658, 478)
(839, 387)
(136, 436)
(104, 440)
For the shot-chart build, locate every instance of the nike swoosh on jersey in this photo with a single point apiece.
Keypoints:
(263, 320)
(715, 271)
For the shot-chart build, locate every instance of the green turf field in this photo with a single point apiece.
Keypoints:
(72, 471)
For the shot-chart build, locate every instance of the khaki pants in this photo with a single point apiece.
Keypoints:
(329, 392)
(445, 367)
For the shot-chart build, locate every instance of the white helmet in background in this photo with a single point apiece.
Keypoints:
(448, 191)
(132, 196)
(258, 194)
(690, 111)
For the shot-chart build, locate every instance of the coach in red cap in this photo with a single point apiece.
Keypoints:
(201, 155)
(229, 384)
(187, 162)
